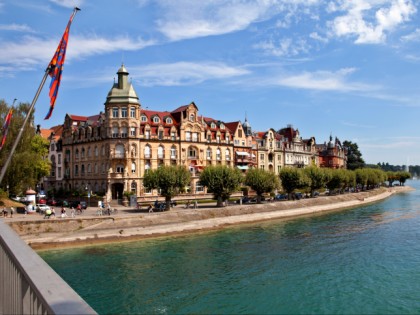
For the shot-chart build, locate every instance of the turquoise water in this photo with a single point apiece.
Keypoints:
(364, 260)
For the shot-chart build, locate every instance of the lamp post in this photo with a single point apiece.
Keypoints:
(88, 195)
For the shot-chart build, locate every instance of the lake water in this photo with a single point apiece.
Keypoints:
(363, 260)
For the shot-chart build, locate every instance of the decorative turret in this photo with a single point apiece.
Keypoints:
(122, 91)
(247, 128)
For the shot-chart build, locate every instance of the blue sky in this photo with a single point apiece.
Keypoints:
(340, 67)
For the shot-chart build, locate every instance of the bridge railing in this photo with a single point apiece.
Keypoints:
(28, 285)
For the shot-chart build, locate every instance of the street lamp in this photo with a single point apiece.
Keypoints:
(88, 195)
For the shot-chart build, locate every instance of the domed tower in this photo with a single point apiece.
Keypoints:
(247, 128)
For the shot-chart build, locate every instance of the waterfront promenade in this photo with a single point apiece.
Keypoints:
(131, 224)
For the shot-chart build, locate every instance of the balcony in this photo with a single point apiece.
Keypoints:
(117, 155)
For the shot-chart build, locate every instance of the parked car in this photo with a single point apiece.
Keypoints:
(42, 208)
(244, 200)
(281, 197)
(52, 202)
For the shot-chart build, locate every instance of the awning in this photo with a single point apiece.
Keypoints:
(245, 167)
(242, 153)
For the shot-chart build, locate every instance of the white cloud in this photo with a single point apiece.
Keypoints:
(412, 37)
(31, 51)
(369, 22)
(184, 19)
(285, 47)
(16, 27)
(185, 73)
(68, 3)
(321, 81)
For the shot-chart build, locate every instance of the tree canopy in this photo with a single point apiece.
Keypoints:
(221, 181)
(261, 181)
(170, 180)
(29, 163)
(354, 156)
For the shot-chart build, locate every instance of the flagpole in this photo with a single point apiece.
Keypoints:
(31, 108)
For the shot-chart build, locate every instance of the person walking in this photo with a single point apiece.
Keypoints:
(12, 210)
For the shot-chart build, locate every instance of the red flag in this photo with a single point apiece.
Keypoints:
(5, 128)
(57, 63)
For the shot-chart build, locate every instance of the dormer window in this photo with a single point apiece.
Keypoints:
(143, 118)
(156, 119)
(169, 120)
(213, 125)
(192, 117)
(222, 126)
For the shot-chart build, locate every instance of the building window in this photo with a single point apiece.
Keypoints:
(146, 166)
(76, 154)
(58, 172)
(173, 136)
(124, 112)
(133, 167)
(119, 168)
(114, 132)
(115, 112)
(187, 135)
(173, 153)
(160, 134)
(76, 170)
(96, 151)
(213, 125)
(192, 153)
(218, 155)
(169, 120)
(132, 112)
(89, 153)
(208, 154)
(147, 134)
(195, 136)
(147, 153)
(156, 119)
(227, 153)
(240, 133)
(192, 117)
(143, 118)
(52, 147)
(262, 157)
(124, 132)
(89, 169)
(96, 168)
(82, 153)
(59, 158)
(160, 152)
(132, 131)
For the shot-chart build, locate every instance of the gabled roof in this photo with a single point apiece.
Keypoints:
(232, 126)
(162, 117)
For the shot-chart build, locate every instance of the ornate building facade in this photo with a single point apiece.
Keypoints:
(110, 152)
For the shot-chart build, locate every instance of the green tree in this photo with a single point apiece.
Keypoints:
(221, 181)
(402, 177)
(336, 179)
(317, 178)
(361, 177)
(291, 179)
(169, 179)
(354, 156)
(29, 162)
(261, 181)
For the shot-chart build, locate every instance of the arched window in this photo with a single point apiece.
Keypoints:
(227, 154)
(119, 151)
(143, 118)
(192, 152)
(124, 132)
(89, 152)
(169, 120)
(96, 151)
(147, 152)
(115, 132)
(208, 154)
(133, 167)
(173, 152)
(218, 155)
(76, 154)
(146, 166)
(83, 153)
(161, 152)
(156, 119)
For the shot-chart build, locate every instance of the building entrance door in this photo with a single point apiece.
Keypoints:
(117, 191)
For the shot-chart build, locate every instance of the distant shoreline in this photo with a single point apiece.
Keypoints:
(93, 230)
